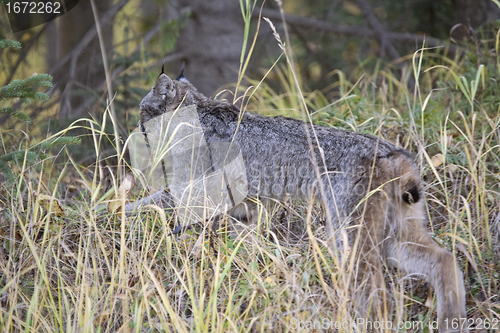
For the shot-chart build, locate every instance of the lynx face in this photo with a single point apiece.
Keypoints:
(167, 95)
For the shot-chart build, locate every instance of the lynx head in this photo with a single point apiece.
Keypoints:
(167, 95)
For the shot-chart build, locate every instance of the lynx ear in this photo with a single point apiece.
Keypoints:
(164, 86)
(181, 76)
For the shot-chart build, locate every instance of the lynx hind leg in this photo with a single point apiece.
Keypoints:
(413, 251)
(409, 247)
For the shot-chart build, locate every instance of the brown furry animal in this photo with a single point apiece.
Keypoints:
(369, 188)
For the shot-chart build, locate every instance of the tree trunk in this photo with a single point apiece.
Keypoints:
(211, 42)
(87, 73)
(473, 13)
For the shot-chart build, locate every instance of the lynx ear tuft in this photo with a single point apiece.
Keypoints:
(164, 86)
(181, 76)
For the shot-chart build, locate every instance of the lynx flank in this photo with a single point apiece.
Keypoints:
(340, 170)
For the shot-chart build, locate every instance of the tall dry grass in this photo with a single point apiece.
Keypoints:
(67, 266)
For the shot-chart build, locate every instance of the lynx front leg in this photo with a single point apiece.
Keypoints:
(414, 251)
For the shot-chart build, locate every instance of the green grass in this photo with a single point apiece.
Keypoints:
(85, 271)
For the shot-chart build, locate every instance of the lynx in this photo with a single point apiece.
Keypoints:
(364, 183)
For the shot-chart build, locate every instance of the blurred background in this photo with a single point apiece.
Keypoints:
(330, 41)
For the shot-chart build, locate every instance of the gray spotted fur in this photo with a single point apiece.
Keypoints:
(280, 163)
